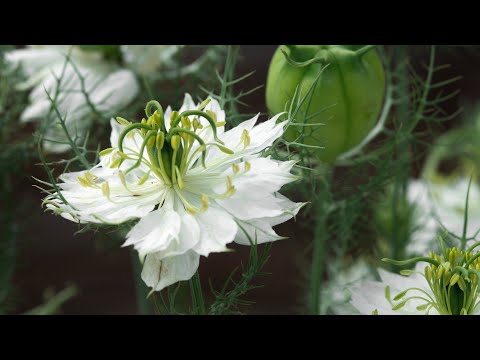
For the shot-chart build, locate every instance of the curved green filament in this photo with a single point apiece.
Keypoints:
(212, 122)
(150, 134)
(474, 257)
(223, 149)
(127, 130)
(149, 106)
(148, 112)
(411, 261)
(471, 248)
(474, 272)
(460, 270)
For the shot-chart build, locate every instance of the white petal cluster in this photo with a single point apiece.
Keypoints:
(230, 196)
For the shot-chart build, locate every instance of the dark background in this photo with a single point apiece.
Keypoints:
(50, 255)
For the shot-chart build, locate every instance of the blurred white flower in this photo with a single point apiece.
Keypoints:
(336, 294)
(146, 59)
(84, 86)
(194, 192)
(441, 203)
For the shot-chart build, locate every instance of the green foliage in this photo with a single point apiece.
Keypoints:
(344, 196)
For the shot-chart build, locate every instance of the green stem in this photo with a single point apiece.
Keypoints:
(465, 218)
(318, 255)
(141, 290)
(197, 295)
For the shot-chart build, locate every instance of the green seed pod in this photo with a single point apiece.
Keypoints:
(347, 98)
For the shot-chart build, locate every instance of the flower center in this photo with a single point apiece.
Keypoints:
(453, 278)
(170, 153)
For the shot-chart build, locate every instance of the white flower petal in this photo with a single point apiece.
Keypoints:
(116, 91)
(146, 59)
(158, 273)
(254, 204)
(260, 230)
(217, 228)
(33, 63)
(155, 232)
(370, 296)
(121, 205)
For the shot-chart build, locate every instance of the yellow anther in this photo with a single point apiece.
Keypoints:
(212, 115)
(144, 178)
(186, 137)
(186, 123)
(205, 202)
(90, 178)
(439, 272)
(428, 273)
(224, 149)
(151, 141)
(190, 210)
(454, 279)
(160, 140)
(204, 103)
(106, 189)
(105, 152)
(375, 312)
(121, 175)
(195, 124)
(122, 121)
(156, 119)
(173, 116)
(247, 166)
(175, 142)
(115, 163)
(220, 123)
(83, 182)
(245, 138)
(387, 293)
(230, 188)
(144, 131)
(122, 155)
(447, 277)
(235, 168)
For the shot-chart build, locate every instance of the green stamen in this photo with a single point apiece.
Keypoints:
(453, 278)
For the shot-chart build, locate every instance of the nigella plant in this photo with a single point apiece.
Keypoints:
(193, 186)
(445, 283)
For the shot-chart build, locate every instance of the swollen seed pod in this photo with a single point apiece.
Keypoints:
(345, 102)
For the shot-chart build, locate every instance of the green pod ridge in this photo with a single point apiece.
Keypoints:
(347, 98)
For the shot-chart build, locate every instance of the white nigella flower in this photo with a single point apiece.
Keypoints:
(447, 285)
(440, 203)
(336, 294)
(146, 59)
(84, 86)
(194, 186)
